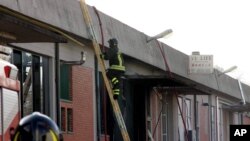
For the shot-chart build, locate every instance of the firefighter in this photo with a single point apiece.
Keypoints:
(116, 66)
(37, 127)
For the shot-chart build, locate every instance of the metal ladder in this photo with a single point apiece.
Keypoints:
(97, 50)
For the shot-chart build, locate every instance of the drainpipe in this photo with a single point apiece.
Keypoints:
(217, 118)
(98, 98)
(195, 117)
(57, 85)
(82, 60)
(210, 115)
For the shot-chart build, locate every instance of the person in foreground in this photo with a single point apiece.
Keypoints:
(37, 127)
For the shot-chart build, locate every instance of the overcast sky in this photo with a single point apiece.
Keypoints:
(213, 27)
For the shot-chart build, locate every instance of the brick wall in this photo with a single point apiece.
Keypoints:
(82, 105)
(204, 123)
(246, 120)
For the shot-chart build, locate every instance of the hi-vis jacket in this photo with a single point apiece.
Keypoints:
(115, 59)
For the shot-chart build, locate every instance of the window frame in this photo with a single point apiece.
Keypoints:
(63, 119)
(70, 120)
(40, 101)
(65, 89)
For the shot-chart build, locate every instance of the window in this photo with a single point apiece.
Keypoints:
(70, 120)
(66, 119)
(65, 77)
(33, 73)
(27, 92)
(63, 119)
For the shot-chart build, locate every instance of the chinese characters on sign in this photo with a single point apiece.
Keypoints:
(202, 64)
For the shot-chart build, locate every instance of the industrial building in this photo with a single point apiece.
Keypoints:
(161, 99)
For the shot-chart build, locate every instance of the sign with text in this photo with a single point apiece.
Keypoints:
(239, 132)
(200, 64)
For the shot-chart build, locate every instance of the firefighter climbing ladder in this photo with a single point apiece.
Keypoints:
(97, 50)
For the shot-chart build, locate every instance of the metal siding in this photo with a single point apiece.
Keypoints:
(10, 106)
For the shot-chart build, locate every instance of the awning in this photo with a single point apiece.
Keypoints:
(16, 30)
(237, 108)
(167, 84)
(184, 90)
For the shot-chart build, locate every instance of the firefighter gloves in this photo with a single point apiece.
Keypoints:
(102, 56)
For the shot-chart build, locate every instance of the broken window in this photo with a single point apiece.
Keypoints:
(33, 73)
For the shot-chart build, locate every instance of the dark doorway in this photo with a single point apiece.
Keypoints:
(132, 103)
(140, 91)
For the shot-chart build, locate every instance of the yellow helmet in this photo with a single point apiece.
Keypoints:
(37, 127)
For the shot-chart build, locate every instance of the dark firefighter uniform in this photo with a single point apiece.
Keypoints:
(116, 66)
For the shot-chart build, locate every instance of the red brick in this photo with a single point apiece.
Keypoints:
(82, 105)
(204, 126)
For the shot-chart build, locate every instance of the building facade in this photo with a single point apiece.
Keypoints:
(160, 100)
